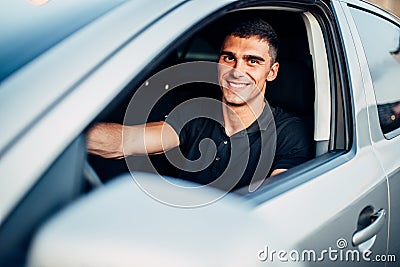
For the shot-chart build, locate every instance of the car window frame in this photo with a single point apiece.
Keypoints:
(337, 154)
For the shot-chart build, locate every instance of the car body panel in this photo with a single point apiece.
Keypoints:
(29, 30)
(25, 124)
(386, 149)
(312, 225)
(183, 237)
(62, 77)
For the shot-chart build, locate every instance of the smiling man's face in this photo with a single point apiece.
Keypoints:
(245, 66)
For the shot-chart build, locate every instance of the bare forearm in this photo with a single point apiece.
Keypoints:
(112, 140)
(105, 139)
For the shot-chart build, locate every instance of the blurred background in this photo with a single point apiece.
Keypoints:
(391, 5)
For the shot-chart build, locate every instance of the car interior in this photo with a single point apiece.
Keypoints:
(293, 89)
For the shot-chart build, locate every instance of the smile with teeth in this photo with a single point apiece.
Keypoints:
(237, 85)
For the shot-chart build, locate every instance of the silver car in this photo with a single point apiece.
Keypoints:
(65, 65)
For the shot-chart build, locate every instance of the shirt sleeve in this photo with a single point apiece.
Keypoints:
(177, 122)
(184, 119)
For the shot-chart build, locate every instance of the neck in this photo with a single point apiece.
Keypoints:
(238, 118)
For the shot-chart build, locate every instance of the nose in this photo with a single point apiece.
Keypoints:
(237, 70)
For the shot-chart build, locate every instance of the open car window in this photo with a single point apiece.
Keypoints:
(306, 84)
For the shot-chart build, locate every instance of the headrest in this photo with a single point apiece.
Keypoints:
(293, 89)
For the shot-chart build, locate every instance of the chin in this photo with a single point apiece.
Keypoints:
(234, 101)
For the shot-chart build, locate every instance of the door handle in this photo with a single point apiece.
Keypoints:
(378, 221)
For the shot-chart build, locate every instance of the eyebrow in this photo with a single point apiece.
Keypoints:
(246, 56)
(255, 57)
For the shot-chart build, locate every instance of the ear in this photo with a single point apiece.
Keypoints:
(273, 72)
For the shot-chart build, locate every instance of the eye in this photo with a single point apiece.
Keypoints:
(253, 61)
(229, 58)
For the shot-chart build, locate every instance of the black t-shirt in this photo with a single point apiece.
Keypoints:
(276, 140)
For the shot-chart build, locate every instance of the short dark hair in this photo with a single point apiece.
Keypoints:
(246, 28)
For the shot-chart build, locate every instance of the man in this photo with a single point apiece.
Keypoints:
(241, 136)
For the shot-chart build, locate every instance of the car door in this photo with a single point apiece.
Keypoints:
(337, 212)
(379, 34)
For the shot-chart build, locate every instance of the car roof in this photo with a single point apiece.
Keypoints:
(27, 30)
(54, 40)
